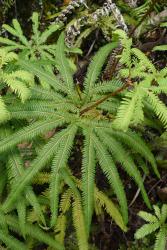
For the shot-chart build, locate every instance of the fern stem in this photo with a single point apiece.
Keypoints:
(98, 102)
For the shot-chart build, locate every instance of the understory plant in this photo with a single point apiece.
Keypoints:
(16, 80)
(34, 48)
(104, 116)
(155, 223)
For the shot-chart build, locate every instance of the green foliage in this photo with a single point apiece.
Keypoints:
(156, 223)
(145, 82)
(17, 81)
(45, 131)
(71, 114)
(37, 46)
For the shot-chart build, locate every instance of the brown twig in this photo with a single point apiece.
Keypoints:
(128, 83)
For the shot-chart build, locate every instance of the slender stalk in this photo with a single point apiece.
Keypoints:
(98, 102)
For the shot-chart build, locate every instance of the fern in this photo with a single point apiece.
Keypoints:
(17, 81)
(69, 115)
(137, 66)
(155, 222)
(34, 48)
(31, 230)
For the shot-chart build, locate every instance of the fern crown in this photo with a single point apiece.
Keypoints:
(155, 223)
(34, 48)
(73, 110)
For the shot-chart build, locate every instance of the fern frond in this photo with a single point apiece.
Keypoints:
(30, 132)
(35, 25)
(88, 177)
(110, 208)
(44, 94)
(15, 170)
(43, 75)
(127, 162)
(19, 32)
(157, 211)
(12, 45)
(43, 157)
(128, 108)
(60, 228)
(158, 107)
(6, 57)
(34, 232)
(96, 66)
(134, 141)
(108, 86)
(11, 242)
(65, 201)
(79, 224)
(18, 87)
(4, 113)
(146, 229)
(49, 31)
(163, 213)
(60, 160)
(161, 239)
(21, 210)
(145, 62)
(63, 66)
(111, 173)
(126, 42)
(160, 48)
(148, 217)
(27, 111)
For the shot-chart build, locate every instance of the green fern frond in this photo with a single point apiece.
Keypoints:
(18, 87)
(15, 170)
(11, 242)
(108, 86)
(110, 208)
(148, 217)
(128, 108)
(96, 66)
(157, 211)
(158, 107)
(88, 177)
(65, 201)
(145, 62)
(63, 66)
(4, 113)
(161, 239)
(79, 224)
(126, 42)
(60, 228)
(111, 173)
(134, 141)
(29, 132)
(163, 213)
(146, 229)
(43, 75)
(34, 232)
(127, 162)
(6, 57)
(21, 210)
(44, 156)
(39, 93)
(62, 153)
